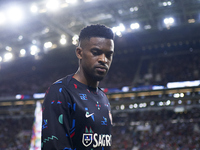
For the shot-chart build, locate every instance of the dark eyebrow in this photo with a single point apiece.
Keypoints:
(97, 49)
(101, 51)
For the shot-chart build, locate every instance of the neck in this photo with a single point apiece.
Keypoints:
(81, 77)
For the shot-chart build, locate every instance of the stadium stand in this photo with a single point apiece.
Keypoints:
(128, 69)
(15, 133)
(157, 128)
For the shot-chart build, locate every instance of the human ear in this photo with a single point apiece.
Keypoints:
(79, 52)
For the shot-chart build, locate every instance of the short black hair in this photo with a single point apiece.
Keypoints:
(96, 30)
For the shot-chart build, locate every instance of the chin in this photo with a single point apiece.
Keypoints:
(98, 78)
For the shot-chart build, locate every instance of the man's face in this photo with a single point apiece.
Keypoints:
(97, 54)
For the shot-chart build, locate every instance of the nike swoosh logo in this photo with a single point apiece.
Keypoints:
(88, 115)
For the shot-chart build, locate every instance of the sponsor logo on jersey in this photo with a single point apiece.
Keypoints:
(101, 140)
(88, 115)
(95, 139)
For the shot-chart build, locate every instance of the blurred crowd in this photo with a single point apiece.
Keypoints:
(161, 70)
(139, 130)
(157, 130)
(15, 133)
(28, 76)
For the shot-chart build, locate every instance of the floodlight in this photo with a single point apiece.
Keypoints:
(75, 39)
(119, 28)
(132, 9)
(20, 38)
(152, 103)
(147, 27)
(135, 26)
(141, 105)
(63, 36)
(2, 18)
(46, 30)
(34, 49)
(63, 41)
(34, 41)
(34, 8)
(18, 96)
(168, 102)
(122, 107)
(160, 103)
(52, 5)
(169, 3)
(181, 94)
(22, 52)
(169, 21)
(135, 105)
(118, 33)
(74, 42)
(48, 45)
(176, 95)
(131, 106)
(1, 59)
(8, 48)
(164, 3)
(8, 56)
(15, 14)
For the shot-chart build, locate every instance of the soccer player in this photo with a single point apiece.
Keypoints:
(76, 112)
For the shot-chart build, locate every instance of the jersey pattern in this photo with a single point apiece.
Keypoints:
(75, 117)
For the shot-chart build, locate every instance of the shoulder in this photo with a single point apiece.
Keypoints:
(63, 81)
(59, 87)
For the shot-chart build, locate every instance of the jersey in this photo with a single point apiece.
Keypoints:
(75, 117)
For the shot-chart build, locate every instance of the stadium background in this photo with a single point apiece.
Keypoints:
(153, 84)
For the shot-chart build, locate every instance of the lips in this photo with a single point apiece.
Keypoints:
(101, 68)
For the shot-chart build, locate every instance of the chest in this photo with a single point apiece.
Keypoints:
(91, 120)
(91, 109)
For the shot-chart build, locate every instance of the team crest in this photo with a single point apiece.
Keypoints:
(87, 139)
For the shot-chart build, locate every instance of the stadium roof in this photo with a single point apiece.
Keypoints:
(51, 24)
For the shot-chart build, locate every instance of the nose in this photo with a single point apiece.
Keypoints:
(103, 58)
